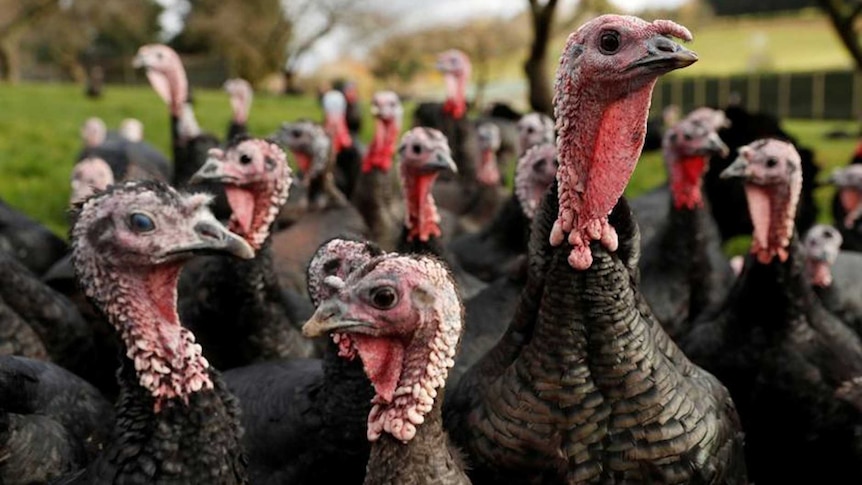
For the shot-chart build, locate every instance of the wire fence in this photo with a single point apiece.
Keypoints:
(833, 95)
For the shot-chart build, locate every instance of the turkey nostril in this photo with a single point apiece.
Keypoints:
(665, 45)
(208, 231)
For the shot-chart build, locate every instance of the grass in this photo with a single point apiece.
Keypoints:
(39, 138)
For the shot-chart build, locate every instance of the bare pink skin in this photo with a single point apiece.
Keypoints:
(488, 172)
(387, 110)
(535, 173)
(822, 245)
(737, 263)
(132, 130)
(335, 110)
(772, 170)
(132, 275)
(309, 145)
(89, 176)
(407, 347)
(419, 147)
(456, 68)
(601, 108)
(166, 74)
(687, 147)
(849, 183)
(257, 179)
(241, 94)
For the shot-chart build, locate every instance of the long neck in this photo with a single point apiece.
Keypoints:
(143, 309)
(488, 174)
(347, 396)
(456, 96)
(772, 210)
(427, 456)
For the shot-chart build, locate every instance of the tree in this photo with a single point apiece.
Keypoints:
(536, 65)
(844, 15)
(16, 16)
(250, 35)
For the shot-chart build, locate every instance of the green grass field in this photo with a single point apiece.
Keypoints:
(39, 138)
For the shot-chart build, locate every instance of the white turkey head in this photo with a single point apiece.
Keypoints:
(848, 180)
(89, 176)
(488, 137)
(535, 172)
(424, 153)
(241, 94)
(535, 129)
(132, 130)
(93, 132)
(822, 245)
(166, 74)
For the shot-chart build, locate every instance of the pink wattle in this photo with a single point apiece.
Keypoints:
(336, 127)
(303, 161)
(382, 147)
(858, 152)
(488, 173)
(685, 181)
(766, 243)
(820, 273)
(242, 205)
(851, 200)
(382, 359)
(422, 218)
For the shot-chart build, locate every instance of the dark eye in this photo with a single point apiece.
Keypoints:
(384, 297)
(828, 235)
(141, 222)
(417, 149)
(296, 133)
(687, 137)
(609, 43)
(530, 130)
(771, 162)
(244, 159)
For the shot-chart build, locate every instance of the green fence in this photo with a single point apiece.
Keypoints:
(834, 95)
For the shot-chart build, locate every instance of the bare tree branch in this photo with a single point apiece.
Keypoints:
(535, 67)
(843, 16)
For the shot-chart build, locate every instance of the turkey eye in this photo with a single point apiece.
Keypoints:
(609, 42)
(530, 130)
(296, 133)
(827, 235)
(771, 162)
(416, 149)
(244, 159)
(141, 222)
(687, 137)
(384, 297)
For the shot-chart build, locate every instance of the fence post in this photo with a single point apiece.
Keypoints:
(657, 97)
(723, 91)
(676, 92)
(818, 92)
(699, 92)
(856, 109)
(753, 95)
(784, 95)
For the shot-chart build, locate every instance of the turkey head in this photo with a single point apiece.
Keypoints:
(89, 176)
(822, 245)
(535, 173)
(772, 173)
(535, 129)
(603, 88)
(456, 67)
(488, 137)
(403, 317)
(256, 179)
(848, 180)
(687, 147)
(388, 112)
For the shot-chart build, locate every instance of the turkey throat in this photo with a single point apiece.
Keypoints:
(851, 200)
(421, 219)
(488, 173)
(382, 148)
(685, 181)
(772, 210)
(254, 208)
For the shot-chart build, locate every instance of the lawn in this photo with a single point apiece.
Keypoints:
(39, 138)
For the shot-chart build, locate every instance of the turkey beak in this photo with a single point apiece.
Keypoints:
(212, 171)
(329, 318)
(139, 61)
(716, 145)
(440, 162)
(737, 169)
(664, 55)
(211, 237)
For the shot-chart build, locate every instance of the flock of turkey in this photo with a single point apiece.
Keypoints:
(334, 330)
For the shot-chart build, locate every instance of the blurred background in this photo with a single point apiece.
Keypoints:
(62, 61)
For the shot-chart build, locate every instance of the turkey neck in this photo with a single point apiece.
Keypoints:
(346, 400)
(427, 455)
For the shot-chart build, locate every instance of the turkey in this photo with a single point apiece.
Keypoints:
(301, 416)
(52, 422)
(167, 76)
(328, 213)
(401, 316)
(176, 421)
(535, 129)
(586, 386)
(90, 175)
(345, 150)
(779, 352)
(241, 95)
(497, 250)
(489, 194)
(834, 274)
(424, 154)
(128, 156)
(683, 268)
(847, 208)
(50, 325)
(653, 209)
(28, 241)
(375, 196)
(236, 308)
